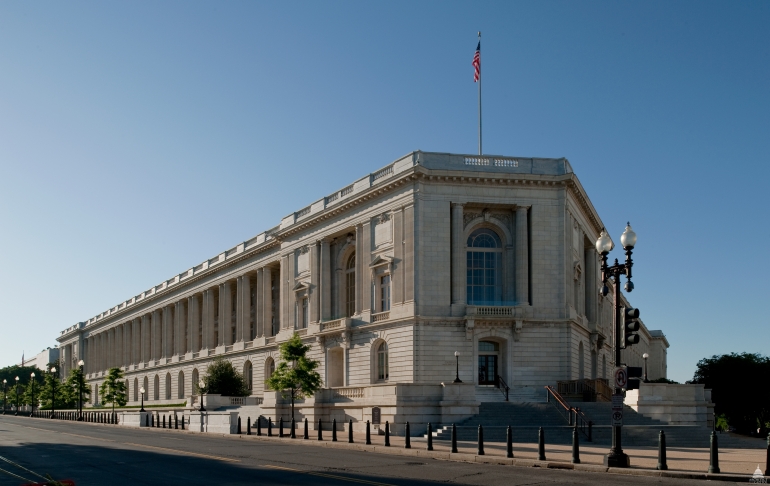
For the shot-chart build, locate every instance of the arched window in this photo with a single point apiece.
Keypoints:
(350, 285)
(247, 375)
(269, 369)
(146, 387)
(136, 389)
(156, 388)
(180, 385)
(195, 380)
(382, 362)
(484, 268)
(168, 386)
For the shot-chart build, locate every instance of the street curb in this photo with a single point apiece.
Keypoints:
(456, 457)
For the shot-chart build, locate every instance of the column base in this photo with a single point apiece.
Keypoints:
(617, 459)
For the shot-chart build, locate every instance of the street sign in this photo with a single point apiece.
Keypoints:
(621, 378)
(617, 418)
(617, 402)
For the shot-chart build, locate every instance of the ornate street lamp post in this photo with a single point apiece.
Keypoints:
(457, 368)
(141, 392)
(32, 377)
(616, 456)
(5, 395)
(53, 397)
(201, 384)
(17, 396)
(645, 356)
(80, 390)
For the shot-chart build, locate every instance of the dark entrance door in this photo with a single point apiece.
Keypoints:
(487, 369)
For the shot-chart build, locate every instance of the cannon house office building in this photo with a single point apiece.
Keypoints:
(491, 257)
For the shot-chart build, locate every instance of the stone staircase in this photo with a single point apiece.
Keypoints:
(526, 418)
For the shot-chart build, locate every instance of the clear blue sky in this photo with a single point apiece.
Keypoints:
(139, 138)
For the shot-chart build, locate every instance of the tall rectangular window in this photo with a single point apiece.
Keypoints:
(385, 293)
(305, 313)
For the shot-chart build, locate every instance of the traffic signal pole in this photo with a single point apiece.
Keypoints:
(616, 456)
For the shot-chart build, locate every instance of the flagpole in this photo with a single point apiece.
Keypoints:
(479, 100)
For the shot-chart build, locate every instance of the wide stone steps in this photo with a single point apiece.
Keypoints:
(525, 420)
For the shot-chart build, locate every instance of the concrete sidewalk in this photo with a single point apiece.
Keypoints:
(742, 461)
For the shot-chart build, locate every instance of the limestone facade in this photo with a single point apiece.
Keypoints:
(492, 257)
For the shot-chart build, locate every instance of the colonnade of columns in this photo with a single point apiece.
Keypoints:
(235, 311)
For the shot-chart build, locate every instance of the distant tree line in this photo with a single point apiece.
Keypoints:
(740, 390)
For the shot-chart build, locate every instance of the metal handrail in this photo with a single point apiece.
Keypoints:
(504, 388)
(581, 421)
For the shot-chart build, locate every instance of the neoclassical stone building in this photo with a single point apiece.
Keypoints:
(492, 257)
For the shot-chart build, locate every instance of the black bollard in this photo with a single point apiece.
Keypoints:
(164, 421)
(407, 440)
(575, 446)
(334, 430)
(662, 466)
(454, 438)
(182, 422)
(481, 440)
(306, 436)
(387, 434)
(146, 420)
(368, 434)
(248, 425)
(269, 426)
(176, 421)
(280, 427)
(293, 434)
(259, 425)
(350, 431)
(714, 454)
(430, 437)
(239, 425)
(320, 430)
(541, 445)
(767, 461)
(509, 442)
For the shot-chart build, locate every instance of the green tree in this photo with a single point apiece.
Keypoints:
(223, 379)
(76, 382)
(54, 388)
(295, 376)
(739, 390)
(113, 389)
(31, 389)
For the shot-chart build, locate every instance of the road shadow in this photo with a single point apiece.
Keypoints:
(115, 466)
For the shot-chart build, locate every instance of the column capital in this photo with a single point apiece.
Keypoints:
(461, 204)
(522, 207)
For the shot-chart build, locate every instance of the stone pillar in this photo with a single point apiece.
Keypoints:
(359, 268)
(325, 280)
(522, 256)
(157, 334)
(267, 301)
(247, 334)
(283, 284)
(226, 314)
(410, 255)
(136, 332)
(397, 275)
(314, 292)
(240, 304)
(459, 292)
(365, 259)
(259, 302)
(207, 319)
(592, 284)
(146, 338)
(193, 324)
(127, 358)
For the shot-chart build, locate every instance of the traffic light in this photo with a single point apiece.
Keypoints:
(629, 327)
(634, 375)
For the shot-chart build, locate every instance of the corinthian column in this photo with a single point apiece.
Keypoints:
(458, 260)
(522, 256)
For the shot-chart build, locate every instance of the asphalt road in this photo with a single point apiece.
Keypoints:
(93, 454)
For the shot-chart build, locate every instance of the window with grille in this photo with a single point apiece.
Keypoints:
(382, 362)
(484, 268)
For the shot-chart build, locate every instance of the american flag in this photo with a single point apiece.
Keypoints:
(477, 63)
